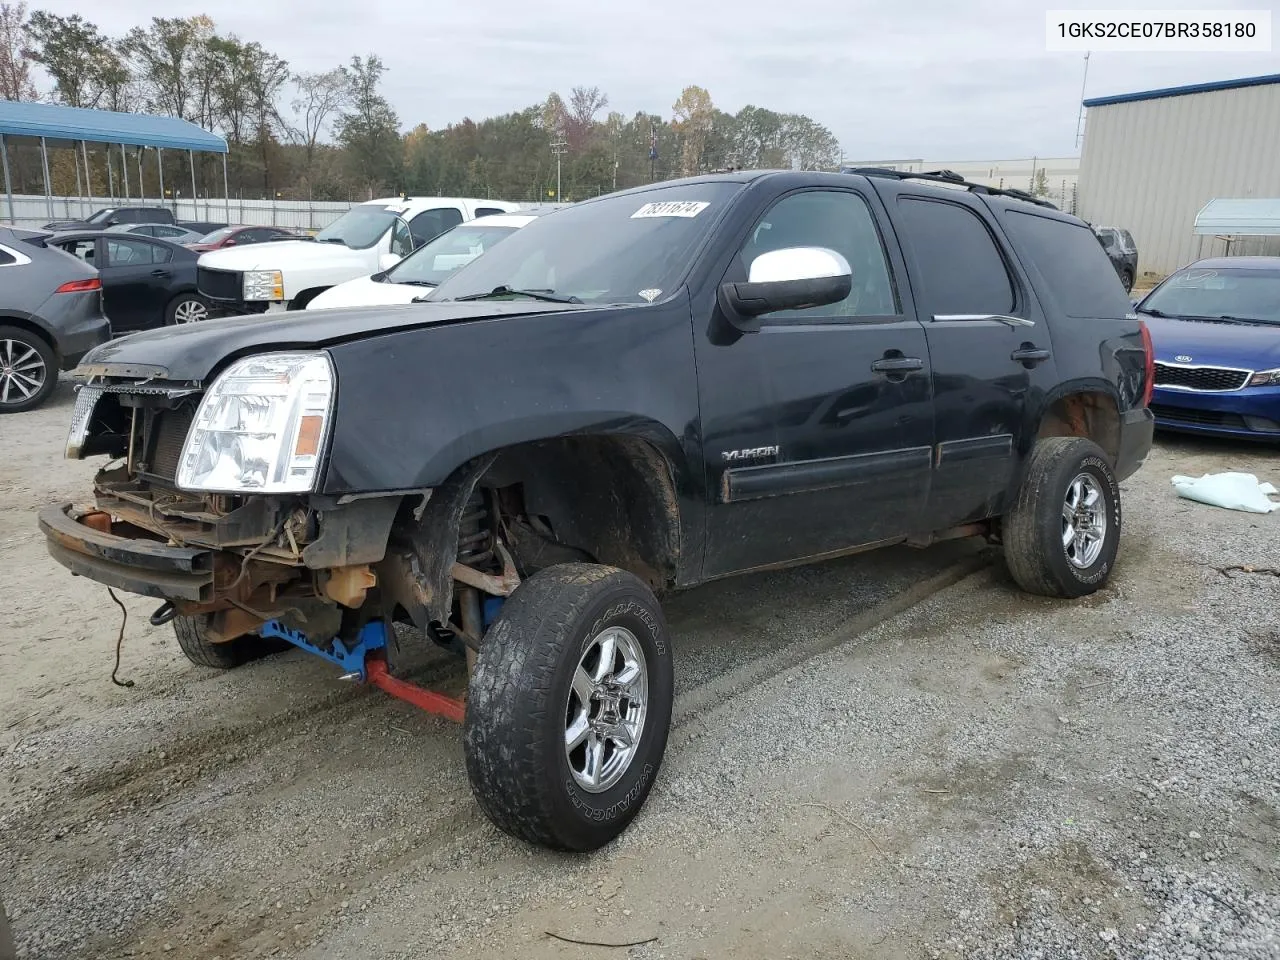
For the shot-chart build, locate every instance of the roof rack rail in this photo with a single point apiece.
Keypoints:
(951, 177)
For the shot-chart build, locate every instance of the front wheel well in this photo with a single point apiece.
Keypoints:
(306, 296)
(1089, 414)
(606, 499)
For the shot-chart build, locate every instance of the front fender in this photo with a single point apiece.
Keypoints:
(415, 405)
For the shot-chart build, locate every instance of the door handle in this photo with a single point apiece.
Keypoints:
(897, 364)
(160, 274)
(1029, 355)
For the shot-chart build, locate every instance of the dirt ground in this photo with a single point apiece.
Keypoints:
(890, 756)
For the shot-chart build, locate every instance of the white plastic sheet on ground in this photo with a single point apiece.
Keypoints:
(1234, 491)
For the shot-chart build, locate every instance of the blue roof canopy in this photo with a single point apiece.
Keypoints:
(1183, 91)
(105, 126)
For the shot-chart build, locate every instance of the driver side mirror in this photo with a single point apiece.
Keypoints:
(793, 278)
(387, 261)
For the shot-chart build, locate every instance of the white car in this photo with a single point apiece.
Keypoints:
(427, 266)
(373, 236)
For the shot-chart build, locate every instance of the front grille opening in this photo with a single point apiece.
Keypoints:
(1199, 418)
(163, 449)
(1207, 379)
(218, 284)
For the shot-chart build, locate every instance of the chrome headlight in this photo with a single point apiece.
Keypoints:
(262, 427)
(1264, 378)
(263, 285)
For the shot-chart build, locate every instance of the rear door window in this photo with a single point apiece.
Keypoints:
(1075, 270)
(431, 223)
(958, 267)
(135, 253)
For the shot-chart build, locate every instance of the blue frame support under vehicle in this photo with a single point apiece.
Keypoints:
(366, 661)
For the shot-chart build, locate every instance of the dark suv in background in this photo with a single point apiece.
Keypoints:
(1121, 251)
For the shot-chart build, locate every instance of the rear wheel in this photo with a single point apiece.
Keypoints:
(569, 706)
(1063, 533)
(186, 308)
(1127, 279)
(203, 652)
(28, 370)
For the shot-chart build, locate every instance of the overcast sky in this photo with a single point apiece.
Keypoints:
(893, 79)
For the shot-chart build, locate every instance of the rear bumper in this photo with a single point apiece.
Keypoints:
(124, 558)
(1252, 413)
(75, 343)
(1136, 430)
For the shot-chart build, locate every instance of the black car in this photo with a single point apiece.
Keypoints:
(114, 216)
(1121, 251)
(50, 316)
(146, 282)
(641, 393)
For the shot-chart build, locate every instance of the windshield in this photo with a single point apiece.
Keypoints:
(98, 216)
(359, 227)
(1219, 292)
(434, 262)
(631, 248)
(217, 235)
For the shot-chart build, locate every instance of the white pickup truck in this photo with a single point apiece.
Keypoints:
(368, 238)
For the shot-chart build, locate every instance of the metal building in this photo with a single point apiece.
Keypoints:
(1153, 160)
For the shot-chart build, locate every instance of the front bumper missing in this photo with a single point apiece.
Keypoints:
(90, 544)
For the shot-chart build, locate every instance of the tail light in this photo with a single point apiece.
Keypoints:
(81, 286)
(1149, 371)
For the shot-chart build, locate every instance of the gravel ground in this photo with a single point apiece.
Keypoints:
(871, 758)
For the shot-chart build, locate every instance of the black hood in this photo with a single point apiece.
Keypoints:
(68, 225)
(191, 352)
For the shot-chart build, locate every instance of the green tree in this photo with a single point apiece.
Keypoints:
(693, 117)
(169, 56)
(86, 67)
(1040, 183)
(370, 132)
(15, 72)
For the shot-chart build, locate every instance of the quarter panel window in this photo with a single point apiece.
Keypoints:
(958, 267)
(81, 249)
(840, 221)
(1076, 270)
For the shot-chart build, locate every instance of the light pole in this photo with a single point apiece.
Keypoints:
(558, 147)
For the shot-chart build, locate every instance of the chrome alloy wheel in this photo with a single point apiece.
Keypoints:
(1084, 521)
(605, 714)
(22, 371)
(190, 311)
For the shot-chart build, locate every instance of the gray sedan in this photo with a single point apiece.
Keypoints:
(165, 231)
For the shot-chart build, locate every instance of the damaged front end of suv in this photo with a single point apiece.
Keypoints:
(209, 503)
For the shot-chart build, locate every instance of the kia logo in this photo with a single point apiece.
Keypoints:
(1182, 358)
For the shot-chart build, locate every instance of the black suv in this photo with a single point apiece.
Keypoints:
(1121, 251)
(641, 393)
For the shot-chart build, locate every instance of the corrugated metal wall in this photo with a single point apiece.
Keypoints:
(1150, 165)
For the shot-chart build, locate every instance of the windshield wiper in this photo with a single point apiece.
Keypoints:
(332, 240)
(412, 283)
(1150, 311)
(1233, 319)
(506, 291)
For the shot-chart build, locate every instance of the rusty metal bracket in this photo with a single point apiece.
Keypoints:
(499, 586)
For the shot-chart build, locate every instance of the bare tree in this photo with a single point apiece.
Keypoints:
(319, 97)
(584, 104)
(15, 72)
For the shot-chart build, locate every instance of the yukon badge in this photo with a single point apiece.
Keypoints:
(751, 453)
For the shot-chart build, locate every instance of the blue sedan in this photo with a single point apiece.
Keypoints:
(1215, 326)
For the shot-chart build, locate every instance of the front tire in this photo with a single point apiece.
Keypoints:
(1063, 533)
(569, 707)
(203, 652)
(28, 370)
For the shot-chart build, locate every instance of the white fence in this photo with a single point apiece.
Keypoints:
(33, 211)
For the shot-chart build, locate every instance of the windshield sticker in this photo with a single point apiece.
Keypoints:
(671, 208)
(650, 294)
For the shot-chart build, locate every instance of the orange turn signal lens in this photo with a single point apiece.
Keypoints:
(308, 444)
